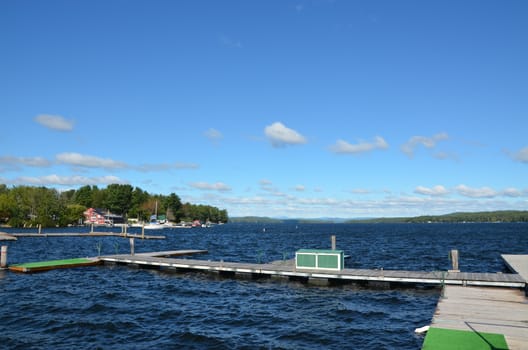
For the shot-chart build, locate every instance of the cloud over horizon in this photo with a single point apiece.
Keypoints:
(77, 160)
(483, 192)
(343, 147)
(205, 186)
(13, 163)
(279, 135)
(521, 155)
(438, 190)
(86, 161)
(428, 142)
(213, 134)
(54, 122)
(74, 180)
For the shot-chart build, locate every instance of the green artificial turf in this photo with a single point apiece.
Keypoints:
(55, 263)
(449, 339)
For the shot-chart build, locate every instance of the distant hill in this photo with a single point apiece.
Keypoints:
(483, 216)
(255, 220)
(268, 220)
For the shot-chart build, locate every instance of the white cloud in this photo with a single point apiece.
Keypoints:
(218, 186)
(265, 182)
(512, 192)
(87, 161)
(267, 186)
(328, 206)
(81, 160)
(343, 147)
(213, 134)
(300, 188)
(360, 191)
(279, 135)
(164, 166)
(16, 162)
(55, 122)
(483, 192)
(434, 191)
(522, 155)
(67, 180)
(428, 142)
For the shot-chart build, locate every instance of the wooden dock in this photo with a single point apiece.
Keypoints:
(54, 264)
(489, 318)
(479, 310)
(7, 237)
(41, 266)
(87, 234)
(517, 264)
(288, 270)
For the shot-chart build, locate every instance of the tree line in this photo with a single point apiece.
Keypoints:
(29, 206)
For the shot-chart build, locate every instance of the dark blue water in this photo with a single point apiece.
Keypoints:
(125, 308)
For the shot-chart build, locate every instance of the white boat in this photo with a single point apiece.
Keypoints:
(154, 223)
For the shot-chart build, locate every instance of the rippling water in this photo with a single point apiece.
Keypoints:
(126, 308)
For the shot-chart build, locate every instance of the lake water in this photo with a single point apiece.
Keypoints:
(125, 308)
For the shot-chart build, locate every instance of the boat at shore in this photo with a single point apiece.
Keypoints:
(154, 224)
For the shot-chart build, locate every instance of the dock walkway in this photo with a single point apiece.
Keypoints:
(479, 310)
(7, 237)
(517, 263)
(86, 234)
(350, 275)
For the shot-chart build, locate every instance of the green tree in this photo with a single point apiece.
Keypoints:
(173, 204)
(84, 196)
(138, 198)
(7, 206)
(73, 215)
(118, 198)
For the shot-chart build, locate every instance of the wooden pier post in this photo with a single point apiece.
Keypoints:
(453, 256)
(333, 238)
(131, 246)
(3, 258)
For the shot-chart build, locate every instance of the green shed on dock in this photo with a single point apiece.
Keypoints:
(322, 259)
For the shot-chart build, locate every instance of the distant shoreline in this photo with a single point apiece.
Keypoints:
(500, 216)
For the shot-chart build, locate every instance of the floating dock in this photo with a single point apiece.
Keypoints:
(42, 266)
(288, 270)
(517, 264)
(482, 318)
(87, 234)
(7, 237)
(485, 312)
(54, 264)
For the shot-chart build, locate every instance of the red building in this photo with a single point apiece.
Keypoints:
(93, 216)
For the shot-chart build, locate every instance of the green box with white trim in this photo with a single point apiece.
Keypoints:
(319, 259)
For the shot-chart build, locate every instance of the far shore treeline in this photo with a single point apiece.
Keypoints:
(476, 217)
(31, 206)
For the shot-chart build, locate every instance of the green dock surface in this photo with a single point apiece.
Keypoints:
(54, 264)
(450, 339)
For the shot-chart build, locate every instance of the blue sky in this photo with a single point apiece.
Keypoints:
(276, 108)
